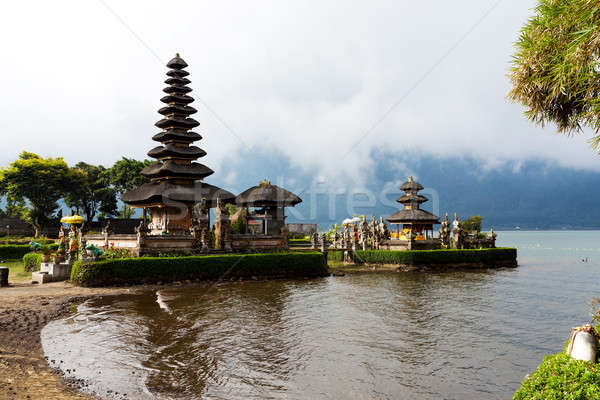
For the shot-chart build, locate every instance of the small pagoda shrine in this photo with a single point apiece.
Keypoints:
(175, 179)
(414, 226)
(264, 213)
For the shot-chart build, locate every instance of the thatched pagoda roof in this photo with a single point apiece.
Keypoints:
(161, 192)
(411, 185)
(170, 150)
(411, 198)
(267, 195)
(175, 177)
(413, 216)
(170, 169)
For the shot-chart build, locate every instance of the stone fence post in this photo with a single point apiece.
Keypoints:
(3, 276)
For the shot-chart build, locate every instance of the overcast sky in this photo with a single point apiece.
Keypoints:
(324, 83)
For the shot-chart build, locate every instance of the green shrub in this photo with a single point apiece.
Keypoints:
(423, 257)
(17, 251)
(561, 377)
(335, 255)
(154, 269)
(32, 261)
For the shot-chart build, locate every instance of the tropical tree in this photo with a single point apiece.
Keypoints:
(125, 175)
(42, 182)
(472, 224)
(15, 208)
(93, 195)
(556, 68)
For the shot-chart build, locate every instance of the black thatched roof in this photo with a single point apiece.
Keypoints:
(163, 192)
(176, 62)
(170, 150)
(171, 169)
(411, 185)
(267, 195)
(412, 198)
(177, 108)
(414, 216)
(187, 137)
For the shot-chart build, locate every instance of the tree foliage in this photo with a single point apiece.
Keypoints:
(125, 175)
(92, 195)
(40, 181)
(555, 72)
(472, 224)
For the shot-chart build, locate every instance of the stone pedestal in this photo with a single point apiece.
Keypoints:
(52, 272)
(3, 276)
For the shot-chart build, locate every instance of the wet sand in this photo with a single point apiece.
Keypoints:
(24, 310)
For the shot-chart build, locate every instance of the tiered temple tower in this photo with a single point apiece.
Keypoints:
(175, 179)
(416, 223)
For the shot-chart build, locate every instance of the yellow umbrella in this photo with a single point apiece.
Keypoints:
(75, 219)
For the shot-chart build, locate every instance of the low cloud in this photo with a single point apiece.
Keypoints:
(321, 84)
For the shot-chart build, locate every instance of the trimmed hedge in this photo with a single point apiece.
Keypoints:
(335, 255)
(32, 261)
(424, 257)
(17, 251)
(165, 269)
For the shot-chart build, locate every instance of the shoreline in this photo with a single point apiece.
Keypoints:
(24, 311)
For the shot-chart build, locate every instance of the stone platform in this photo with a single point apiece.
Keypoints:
(51, 272)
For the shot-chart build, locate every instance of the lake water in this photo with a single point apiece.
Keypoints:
(450, 335)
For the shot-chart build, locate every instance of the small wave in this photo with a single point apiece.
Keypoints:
(161, 300)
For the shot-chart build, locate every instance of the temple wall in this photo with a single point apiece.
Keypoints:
(118, 241)
(429, 244)
(241, 242)
(117, 225)
(306, 229)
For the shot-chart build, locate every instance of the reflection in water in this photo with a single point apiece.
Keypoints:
(410, 335)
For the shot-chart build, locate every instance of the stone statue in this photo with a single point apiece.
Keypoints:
(73, 245)
(222, 226)
(364, 233)
(372, 229)
(336, 237)
(456, 222)
(82, 241)
(227, 238)
(62, 246)
(314, 238)
(200, 211)
(457, 234)
(492, 238)
(106, 231)
(284, 233)
(445, 231)
(140, 232)
(346, 237)
(204, 239)
(383, 230)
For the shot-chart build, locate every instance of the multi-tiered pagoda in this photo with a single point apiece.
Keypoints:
(176, 179)
(416, 224)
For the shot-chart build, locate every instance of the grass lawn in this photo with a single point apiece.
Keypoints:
(16, 271)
